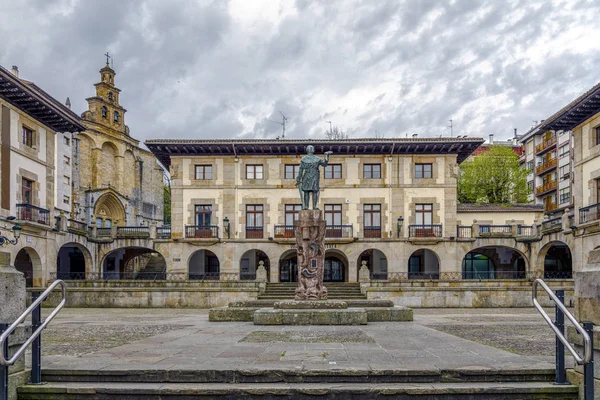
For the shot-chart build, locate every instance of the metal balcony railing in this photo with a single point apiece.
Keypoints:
(463, 231)
(525, 230)
(284, 231)
(546, 145)
(254, 232)
(163, 232)
(545, 167)
(28, 212)
(372, 231)
(589, 213)
(104, 232)
(133, 231)
(206, 276)
(423, 275)
(425, 231)
(201, 231)
(338, 231)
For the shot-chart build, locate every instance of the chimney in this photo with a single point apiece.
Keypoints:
(15, 71)
(68, 103)
(491, 138)
(516, 133)
(415, 135)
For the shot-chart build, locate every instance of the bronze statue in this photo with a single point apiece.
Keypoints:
(309, 176)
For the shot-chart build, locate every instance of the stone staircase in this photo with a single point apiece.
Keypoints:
(299, 383)
(153, 270)
(335, 291)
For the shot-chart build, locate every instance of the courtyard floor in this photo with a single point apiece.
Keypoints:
(164, 339)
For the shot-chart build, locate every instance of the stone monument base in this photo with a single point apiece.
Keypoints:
(292, 312)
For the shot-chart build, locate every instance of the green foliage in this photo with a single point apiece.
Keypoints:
(167, 205)
(493, 177)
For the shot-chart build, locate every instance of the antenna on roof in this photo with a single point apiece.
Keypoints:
(282, 123)
(450, 126)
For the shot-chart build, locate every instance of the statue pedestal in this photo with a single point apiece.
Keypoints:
(310, 242)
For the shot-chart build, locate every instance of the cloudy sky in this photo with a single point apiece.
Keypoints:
(223, 69)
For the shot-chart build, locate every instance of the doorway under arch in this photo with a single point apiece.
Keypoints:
(376, 262)
(71, 262)
(249, 263)
(109, 211)
(24, 262)
(204, 265)
(558, 263)
(494, 262)
(137, 263)
(288, 267)
(336, 266)
(424, 264)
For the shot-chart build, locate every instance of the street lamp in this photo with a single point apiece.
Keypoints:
(226, 227)
(4, 241)
(399, 225)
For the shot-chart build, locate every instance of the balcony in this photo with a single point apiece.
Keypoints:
(254, 232)
(525, 231)
(28, 212)
(495, 230)
(548, 207)
(552, 224)
(464, 231)
(284, 231)
(545, 167)
(589, 213)
(338, 231)
(545, 188)
(104, 233)
(201, 231)
(163, 232)
(75, 226)
(372, 232)
(425, 231)
(133, 232)
(546, 145)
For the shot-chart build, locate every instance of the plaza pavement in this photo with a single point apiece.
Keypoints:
(184, 339)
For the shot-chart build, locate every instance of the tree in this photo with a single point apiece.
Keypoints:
(336, 134)
(167, 200)
(493, 177)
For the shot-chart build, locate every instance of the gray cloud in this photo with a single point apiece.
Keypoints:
(224, 69)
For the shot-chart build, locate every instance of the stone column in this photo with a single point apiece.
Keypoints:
(587, 308)
(310, 241)
(12, 299)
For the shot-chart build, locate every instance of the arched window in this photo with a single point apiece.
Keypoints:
(104, 112)
(110, 95)
(116, 116)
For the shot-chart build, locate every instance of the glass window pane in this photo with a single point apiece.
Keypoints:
(208, 172)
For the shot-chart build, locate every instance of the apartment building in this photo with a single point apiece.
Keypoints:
(548, 156)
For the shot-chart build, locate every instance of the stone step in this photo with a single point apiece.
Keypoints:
(326, 374)
(362, 391)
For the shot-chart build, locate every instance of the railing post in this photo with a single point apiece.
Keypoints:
(561, 377)
(36, 346)
(588, 369)
(4, 368)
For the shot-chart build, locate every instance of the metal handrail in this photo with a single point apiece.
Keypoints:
(587, 343)
(38, 331)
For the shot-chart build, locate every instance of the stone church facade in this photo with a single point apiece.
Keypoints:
(116, 183)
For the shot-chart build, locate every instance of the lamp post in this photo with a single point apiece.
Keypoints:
(399, 225)
(5, 241)
(226, 227)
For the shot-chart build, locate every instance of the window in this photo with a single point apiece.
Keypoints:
(67, 160)
(333, 214)
(372, 220)
(423, 171)
(530, 185)
(597, 190)
(563, 151)
(66, 199)
(203, 172)
(27, 137)
(66, 141)
(563, 172)
(254, 172)
(254, 221)
(372, 171)
(66, 180)
(26, 190)
(291, 171)
(110, 95)
(530, 165)
(333, 171)
(565, 195)
(203, 214)
(291, 213)
(597, 132)
(104, 112)
(424, 214)
(116, 116)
